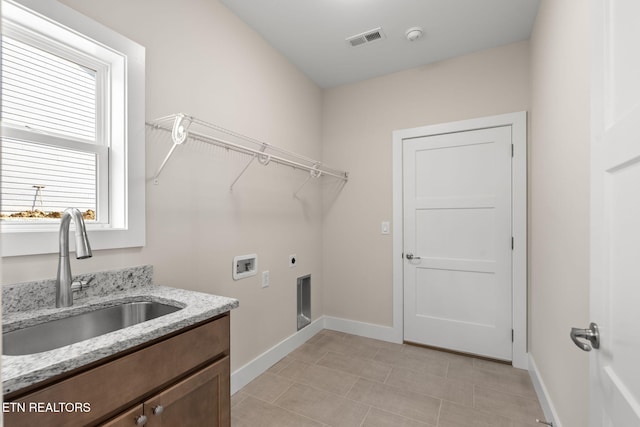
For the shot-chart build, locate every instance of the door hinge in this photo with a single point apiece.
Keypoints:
(512, 149)
(512, 335)
(512, 243)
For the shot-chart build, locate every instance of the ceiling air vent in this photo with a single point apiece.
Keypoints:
(366, 37)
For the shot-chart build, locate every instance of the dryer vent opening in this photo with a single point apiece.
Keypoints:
(304, 301)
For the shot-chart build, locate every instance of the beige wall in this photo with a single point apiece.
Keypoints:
(358, 121)
(559, 202)
(202, 60)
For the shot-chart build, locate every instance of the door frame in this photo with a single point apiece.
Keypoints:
(518, 123)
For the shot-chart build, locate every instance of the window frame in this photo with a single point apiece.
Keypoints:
(100, 146)
(121, 118)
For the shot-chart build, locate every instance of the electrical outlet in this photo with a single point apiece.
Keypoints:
(265, 279)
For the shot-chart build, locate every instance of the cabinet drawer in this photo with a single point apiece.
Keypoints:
(116, 384)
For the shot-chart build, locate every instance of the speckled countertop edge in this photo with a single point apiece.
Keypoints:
(22, 371)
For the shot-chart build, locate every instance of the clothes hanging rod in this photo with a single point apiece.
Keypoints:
(264, 152)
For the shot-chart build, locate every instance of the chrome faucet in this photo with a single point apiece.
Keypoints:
(64, 295)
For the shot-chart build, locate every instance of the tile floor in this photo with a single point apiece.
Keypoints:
(337, 379)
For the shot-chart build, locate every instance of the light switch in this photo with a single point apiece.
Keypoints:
(385, 227)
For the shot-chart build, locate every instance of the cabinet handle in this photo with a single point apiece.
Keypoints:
(141, 420)
(157, 410)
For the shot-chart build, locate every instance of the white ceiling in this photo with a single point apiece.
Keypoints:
(312, 33)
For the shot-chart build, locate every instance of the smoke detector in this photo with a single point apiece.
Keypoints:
(366, 37)
(414, 33)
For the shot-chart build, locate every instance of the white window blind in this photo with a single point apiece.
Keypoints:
(47, 95)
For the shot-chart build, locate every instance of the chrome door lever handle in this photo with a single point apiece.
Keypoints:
(411, 256)
(592, 335)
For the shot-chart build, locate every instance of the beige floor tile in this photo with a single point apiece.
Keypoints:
(379, 418)
(253, 412)
(532, 423)
(435, 386)
(454, 415)
(507, 378)
(325, 407)
(309, 353)
(398, 401)
(517, 408)
(238, 397)
(316, 338)
(319, 377)
(357, 340)
(412, 361)
(329, 341)
(501, 377)
(282, 363)
(499, 368)
(349, 347)
(461, 369)
(268, 387)
(355, 365)
(509, 383)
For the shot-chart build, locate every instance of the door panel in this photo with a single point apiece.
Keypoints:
(447, 285)
(615, 213)
(455, 233)
(457, 224)
(464, 170)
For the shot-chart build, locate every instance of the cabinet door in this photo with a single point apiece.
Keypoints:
(203, 399)
(133, 417)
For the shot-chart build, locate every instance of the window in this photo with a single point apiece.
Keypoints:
(52, 148)
(72, 128)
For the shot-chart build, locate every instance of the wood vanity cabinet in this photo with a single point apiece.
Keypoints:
(182, 380)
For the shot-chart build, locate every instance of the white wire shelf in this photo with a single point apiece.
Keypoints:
(185, 128)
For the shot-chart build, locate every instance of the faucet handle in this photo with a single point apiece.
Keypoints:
(79, 285)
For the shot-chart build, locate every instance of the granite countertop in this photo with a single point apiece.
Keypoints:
(22, 371)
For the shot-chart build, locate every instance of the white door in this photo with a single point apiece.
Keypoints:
(457, 241)
(615, 213)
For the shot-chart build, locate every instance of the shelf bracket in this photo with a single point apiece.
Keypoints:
(262, 149)
(179, 135)
(314, 172)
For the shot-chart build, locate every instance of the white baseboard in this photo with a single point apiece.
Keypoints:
(247, 373)
(368, 330)
(543, 395)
